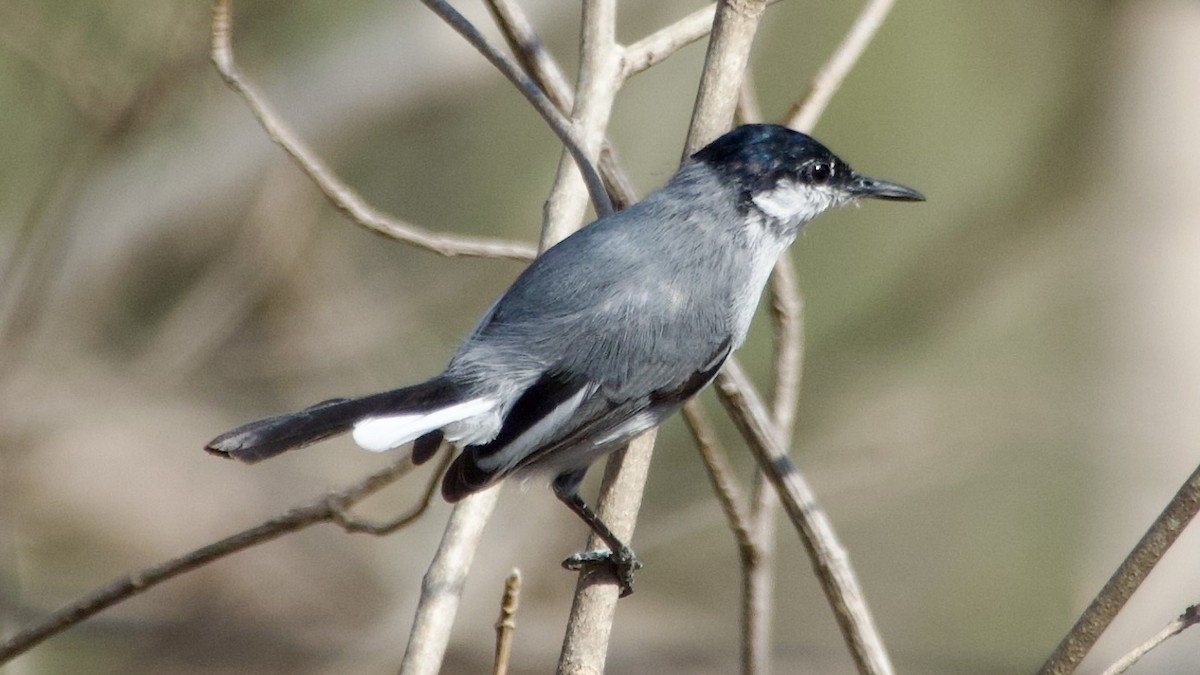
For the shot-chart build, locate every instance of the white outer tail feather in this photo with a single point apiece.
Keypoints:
(380, 434)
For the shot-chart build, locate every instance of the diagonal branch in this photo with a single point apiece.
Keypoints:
(804, 114)
(332, 507)
(1129, 576)
(829, 558)
(339, 194)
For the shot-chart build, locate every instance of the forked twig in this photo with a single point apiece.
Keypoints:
(340, 195)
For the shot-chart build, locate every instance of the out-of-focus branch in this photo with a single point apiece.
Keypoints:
(733, 32)
(803, 115)
(787, 310)
(573, 138)
(506, 625)
(721, 475)
(1189, 618)
(829, 558)
(1129, 576)
(330, 508)
(340, 195)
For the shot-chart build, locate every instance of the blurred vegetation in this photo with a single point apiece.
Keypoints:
(1001, 384)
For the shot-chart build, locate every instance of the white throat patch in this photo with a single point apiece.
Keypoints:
(795, 203)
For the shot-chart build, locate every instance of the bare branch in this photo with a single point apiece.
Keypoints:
(327, 508)
(1128, 577)
(585, 645)
(787, 309)
(829, 558)
(339, 194)
(1189, 618)
(595, 91)
(506, 625)
(352, 523)
(721, 476)
(569, 135)
(441, 587)
(733, 32)
(804, 114)
(531, 52)
(656, 47)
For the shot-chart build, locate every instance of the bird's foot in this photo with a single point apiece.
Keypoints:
(622, 564)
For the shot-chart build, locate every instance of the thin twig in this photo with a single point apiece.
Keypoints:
(758, 581)
(329, 508)
(1189, 618)
(805, 113)
(506, 625)
(656, 47)
(737, 513)
(340, 195)
(568, 133)
(1128, 577)
(829, 558)
(787, 311)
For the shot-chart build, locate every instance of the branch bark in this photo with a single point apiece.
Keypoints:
(829, 558)
(733, 32)
(1129, 576)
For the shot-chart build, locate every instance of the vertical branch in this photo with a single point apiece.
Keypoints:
(441, 587)
(728, 53)
(506, 625)
(585, 645)
(599, 72)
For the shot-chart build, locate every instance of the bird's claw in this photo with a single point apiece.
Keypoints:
(622, 564)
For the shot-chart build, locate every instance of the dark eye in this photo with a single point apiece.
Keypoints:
(819, 173)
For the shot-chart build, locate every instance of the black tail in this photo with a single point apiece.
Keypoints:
(271, 436)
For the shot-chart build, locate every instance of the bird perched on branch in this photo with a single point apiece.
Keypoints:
(604, 335)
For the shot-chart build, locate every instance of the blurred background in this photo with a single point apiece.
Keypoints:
(1002, 385)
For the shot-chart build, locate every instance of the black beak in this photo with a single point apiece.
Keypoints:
(863, 186)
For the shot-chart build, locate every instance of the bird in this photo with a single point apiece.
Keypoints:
(605, 334)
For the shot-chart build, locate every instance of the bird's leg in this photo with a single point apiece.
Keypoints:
(619, 558)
